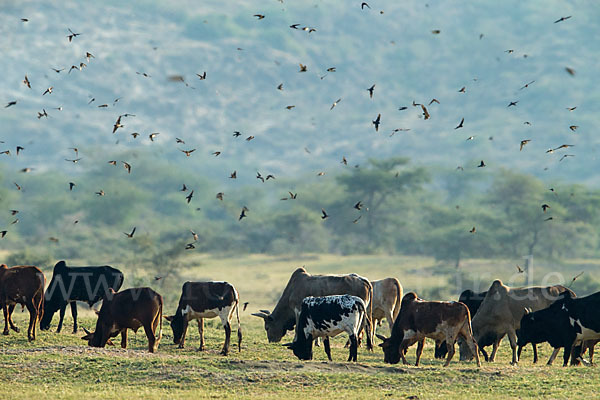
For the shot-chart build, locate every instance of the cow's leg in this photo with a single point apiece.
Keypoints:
(327, 347)
(11, 308)
(591, 350)
(512, 338)
(484, 353)
(227, 327)
(32, 319)
(124, 338)
(535, 355)
(61, 317)
(492, 357)
(185, 326)
(201, 333)
(353, 348)
(150, 336)
(419, 351)
(74, 315)
(5, 310)
(553, 355)
(567, 354)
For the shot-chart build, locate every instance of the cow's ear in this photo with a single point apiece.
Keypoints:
(288, 345)
(169, 317)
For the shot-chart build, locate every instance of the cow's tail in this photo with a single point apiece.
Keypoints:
(398, 300)
(40, 305)
(160, 317)
(239, 331)
(369, 317)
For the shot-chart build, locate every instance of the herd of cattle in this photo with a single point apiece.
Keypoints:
(317, 306)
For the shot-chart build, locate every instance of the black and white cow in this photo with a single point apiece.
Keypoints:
(326, 317)
(201, 300)
(564, 323)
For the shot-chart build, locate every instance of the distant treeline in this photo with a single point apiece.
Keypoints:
(384, 206)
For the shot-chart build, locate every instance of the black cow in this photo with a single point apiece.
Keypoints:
(201, 300)
(567, 321)
(326, 317)
(72, 284)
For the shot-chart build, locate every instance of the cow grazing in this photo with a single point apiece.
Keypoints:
(129, 309)
(72, 284)
(501, 311)
(301, 285)
(420, 319)
(326, 317)
(201, 300)
(387, 295)
(23, 284)
(564, 323)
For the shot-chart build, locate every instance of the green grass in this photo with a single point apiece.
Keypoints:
(62, 365)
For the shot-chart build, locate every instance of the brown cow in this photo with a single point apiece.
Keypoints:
(420, 319)
(301, 285)
(387, 295)
(129, 309)
(503, 307)
(23, 284)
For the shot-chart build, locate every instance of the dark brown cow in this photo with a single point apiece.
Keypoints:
(201, 300)
(129, 309)
(420, 319)
(23, 284)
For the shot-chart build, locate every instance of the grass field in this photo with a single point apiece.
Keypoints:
(62, 365)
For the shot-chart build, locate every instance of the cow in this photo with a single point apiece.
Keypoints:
(387, 295)
(130, 309)
(301, 285)
(327, 317)
(501, 311)
(569, 320)
(22, 284)
(420, 319)
(72, 284)
(201, 300)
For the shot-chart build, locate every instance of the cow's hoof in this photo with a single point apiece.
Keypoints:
(201, 348)
(16, 329)
(75, 331)
(180, 346)
(31, 338)
(5, 332)
(224, 352)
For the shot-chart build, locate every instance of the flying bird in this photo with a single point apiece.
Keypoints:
(127, 166)
(425, 112)
(370, 90)
(117, 125)
(100, 193)
(545, 207)
(236, 134)
(89, 55)
(358, 205)
(233, 175)
(71, 186)
(153, 136)
(473, 230)
(203, 76)
(570, 71)
(335, 103)
(460, 125)
(363, 5)
(190, 246)
(19, 149)
(243, 213)
(183, 188)
(462, 89)
(376, 122)
(10, 104)
(519, 269)
(324, 214)
(72, 35)
(189, 196)
(49, 91)
(188, 152)
(523, 143)
(302, 68)
(194, 235)
(344, 161)
(259, 176)
(216, 153)
(26, 82)
(74, 161)
(562, 19)
(220, 196)
(130, 235)
(433, 101)
(526, 85)
(177, 140)
(112, 162)
(573, 127)
(565, 156)
(259, 16)
(481, 164)
(512, 103)
(280, 86)
(294, 26)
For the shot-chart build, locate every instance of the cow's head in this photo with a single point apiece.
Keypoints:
(276, 328)
(177, 325)
(391, 349)
(301, 348)
(89, 336)
(50, 307)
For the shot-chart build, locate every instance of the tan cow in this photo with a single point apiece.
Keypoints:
(387, 295)
(501, 311)
(301, 285)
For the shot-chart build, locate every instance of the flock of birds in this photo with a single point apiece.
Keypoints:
(120, 123)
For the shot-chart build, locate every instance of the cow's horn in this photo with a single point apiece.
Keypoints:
(266, 312)
(87, 332)
(527, 310)
(260, 314)
(288, 345)
(381, 337)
